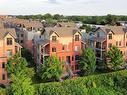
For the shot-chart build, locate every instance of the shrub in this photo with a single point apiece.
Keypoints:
(103, 84)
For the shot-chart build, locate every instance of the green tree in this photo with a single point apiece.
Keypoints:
(87, 62)
(115, 56)
(111, 19)
(58, 17)
(28, 56)
(51, 69)
(47, 16)
(88, 28)
(3, 91)
(20, 75)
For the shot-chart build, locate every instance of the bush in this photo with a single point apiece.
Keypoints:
(104, 84)
(2, 91)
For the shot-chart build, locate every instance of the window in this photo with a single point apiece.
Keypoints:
(77, 67)
(116, 43)
(22, 35)
(68, 59)
(3, 76)
(21, 41)
(54, 38)
(16, 49)
(63, 47)
(109, 45)
(9, 53)
(3, 65)
(53, 49)
(72, 58)
(119, 43)
(76, 37)
(77, 57)
(9, 41)
(110, 36)
(76, 48)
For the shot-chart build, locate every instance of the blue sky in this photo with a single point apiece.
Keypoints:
(65, 7)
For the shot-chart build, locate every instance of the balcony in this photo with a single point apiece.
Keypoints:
(100, 46)
(45, 50)
(100, 55)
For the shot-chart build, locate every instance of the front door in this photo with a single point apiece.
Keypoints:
(68, 59)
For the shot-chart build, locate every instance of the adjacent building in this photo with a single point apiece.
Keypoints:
(106, 37)
(26, 30)
(8, 47)
(63, 41)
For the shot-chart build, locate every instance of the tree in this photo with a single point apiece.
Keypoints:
(51, 69)
(47, 16)
(28, 56)
(58, 17)
(20, 75)
(3, 91)
(111, 19)
(87, 62)
(88, 28)
(115, 56)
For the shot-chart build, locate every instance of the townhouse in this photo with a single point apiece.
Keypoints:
(8, 47)
(63, 41)
(26, 30)
(106, 37)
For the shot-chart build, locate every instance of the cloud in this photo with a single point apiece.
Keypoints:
(65, 7)
(73, 1)
(51, 1)
(91, 1)
(61, 1)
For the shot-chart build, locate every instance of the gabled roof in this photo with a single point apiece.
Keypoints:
(4, 32)
(62, 31)
(114, 29)
(25, 23)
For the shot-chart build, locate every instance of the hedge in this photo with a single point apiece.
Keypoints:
(2, 91)
(114, 83)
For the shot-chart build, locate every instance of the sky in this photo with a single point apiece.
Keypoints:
(64, 7)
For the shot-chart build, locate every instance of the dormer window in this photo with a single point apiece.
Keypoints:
(9, 41)
(110, 36)
(76, 37)
(54, 38)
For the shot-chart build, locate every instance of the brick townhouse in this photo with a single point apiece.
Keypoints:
(108, 36)
(63, 41)
(8, 47)
(26, 30)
